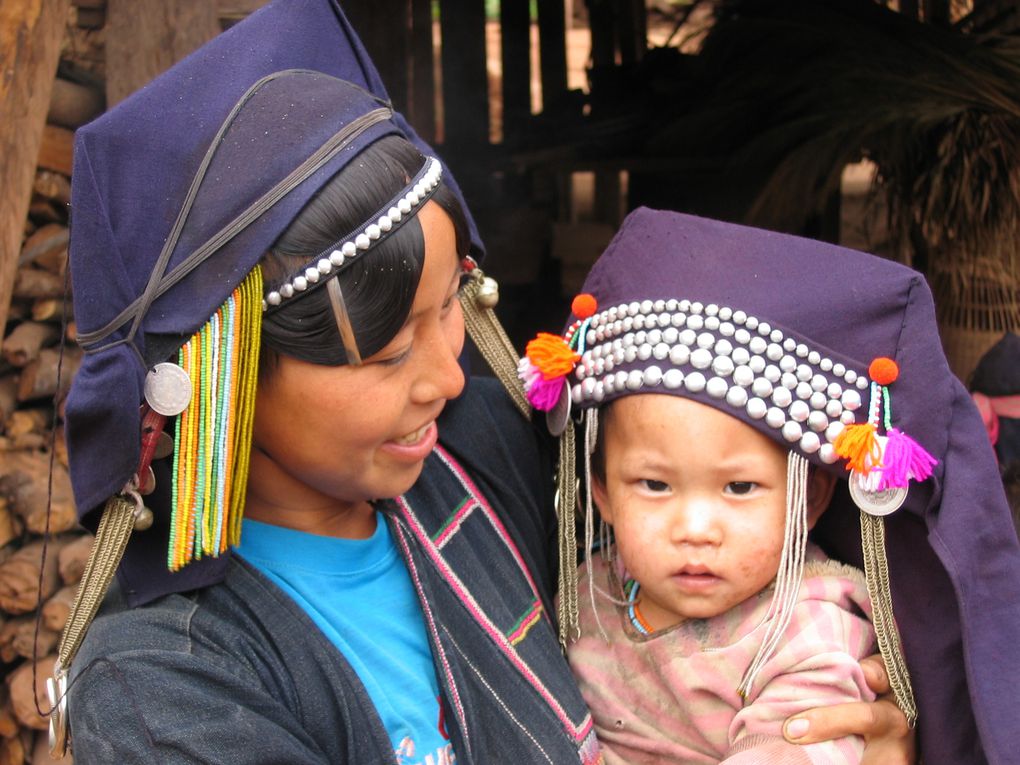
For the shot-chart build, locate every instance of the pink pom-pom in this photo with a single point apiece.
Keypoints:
(904, 459)
(543, 394)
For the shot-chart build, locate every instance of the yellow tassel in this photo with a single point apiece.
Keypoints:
(244, 409)
(859, 446)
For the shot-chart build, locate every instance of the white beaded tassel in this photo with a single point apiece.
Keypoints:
(591, 434)
(566, 515)
(791, 569)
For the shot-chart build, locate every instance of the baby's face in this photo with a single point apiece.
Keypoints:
(697, 500)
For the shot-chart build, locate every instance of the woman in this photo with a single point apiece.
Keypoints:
(389, 599)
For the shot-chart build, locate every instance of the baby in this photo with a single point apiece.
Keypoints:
(735, 388)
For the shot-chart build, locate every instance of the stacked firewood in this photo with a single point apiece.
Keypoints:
(108, 50)
(42, 549)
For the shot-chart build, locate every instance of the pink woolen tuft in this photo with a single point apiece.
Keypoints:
(543, 394)
(904, 459)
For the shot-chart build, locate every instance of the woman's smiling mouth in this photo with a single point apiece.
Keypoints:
(415, 446)
(414, 437)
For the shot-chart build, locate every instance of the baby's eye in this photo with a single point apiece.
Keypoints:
(654, 486)
(740, 488)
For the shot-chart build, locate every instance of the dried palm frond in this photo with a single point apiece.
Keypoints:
(800, 88)
(788, 92)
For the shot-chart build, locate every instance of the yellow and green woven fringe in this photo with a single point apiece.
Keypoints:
(213, 435)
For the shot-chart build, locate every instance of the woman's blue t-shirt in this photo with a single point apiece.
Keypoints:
(359, 593)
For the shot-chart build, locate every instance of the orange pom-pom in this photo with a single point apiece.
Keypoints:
(584, 305)
(884, 370)
(551, 355)
(858, 445)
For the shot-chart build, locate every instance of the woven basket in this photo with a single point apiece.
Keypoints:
(975, 303)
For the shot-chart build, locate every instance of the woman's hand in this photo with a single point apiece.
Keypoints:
(888, 738)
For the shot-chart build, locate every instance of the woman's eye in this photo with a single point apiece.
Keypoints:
(462, 282)
(454, 296)
(395, 360)
(654, 486)
(740, 488)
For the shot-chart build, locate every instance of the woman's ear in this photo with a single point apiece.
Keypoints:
(821, 485)
(601, 497)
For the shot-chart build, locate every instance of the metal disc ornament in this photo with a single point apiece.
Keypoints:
(874, 502)
(167, 389)
(556, 418)
(164, 446)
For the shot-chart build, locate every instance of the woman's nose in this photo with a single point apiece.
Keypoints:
(451, 380)
(442, 376)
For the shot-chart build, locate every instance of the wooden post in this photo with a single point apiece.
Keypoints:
(633, 31)
(937, 12)
(384, 27)
(422, 112)
(515, 29)
(146, 37)
(602, 23)
(552, 51)
(30, 35)
(608, 197)
(465, 80)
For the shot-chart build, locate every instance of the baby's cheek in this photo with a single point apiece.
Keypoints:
(759, 564)
(639, 541)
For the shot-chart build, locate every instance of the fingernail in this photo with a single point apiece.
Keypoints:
(797, 728)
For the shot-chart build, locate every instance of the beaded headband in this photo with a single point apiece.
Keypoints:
(345, 250)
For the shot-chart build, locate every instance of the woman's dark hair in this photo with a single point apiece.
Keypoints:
(379, 287)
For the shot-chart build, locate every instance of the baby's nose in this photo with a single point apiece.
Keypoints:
(697, 523)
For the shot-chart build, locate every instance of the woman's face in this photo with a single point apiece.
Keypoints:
(327, 440)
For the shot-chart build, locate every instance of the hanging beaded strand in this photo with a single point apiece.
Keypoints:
(213, 434)
(227, 380)
(248, 335)
(185, 457)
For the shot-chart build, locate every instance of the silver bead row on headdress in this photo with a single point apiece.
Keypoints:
(734, 357)
(349, 248)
